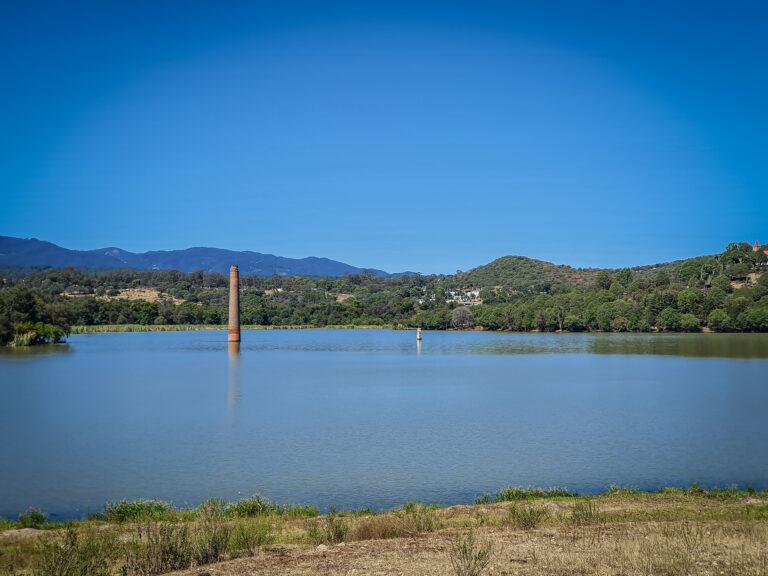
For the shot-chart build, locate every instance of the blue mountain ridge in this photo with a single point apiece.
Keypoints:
(34, 253)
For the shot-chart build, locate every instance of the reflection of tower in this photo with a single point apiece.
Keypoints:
(233, 376)
(419, 338)
(234, 304)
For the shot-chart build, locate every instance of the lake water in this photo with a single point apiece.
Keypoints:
(365, 418)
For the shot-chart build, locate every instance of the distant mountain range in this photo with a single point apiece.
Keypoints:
(34, 253)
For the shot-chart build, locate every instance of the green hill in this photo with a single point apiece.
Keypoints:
(522, 273)
(530, 275)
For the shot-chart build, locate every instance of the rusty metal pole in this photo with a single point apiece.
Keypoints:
(234, 305)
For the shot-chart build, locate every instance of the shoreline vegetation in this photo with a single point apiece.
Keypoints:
(118, 328)
(109, 328)
(526, 531)
(727, 292)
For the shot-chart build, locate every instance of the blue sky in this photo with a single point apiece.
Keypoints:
(402, 136)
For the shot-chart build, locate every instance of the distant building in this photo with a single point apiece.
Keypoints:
(465, 296)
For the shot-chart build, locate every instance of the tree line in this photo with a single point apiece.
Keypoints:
(725, 292)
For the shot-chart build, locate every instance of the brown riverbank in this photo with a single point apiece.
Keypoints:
(624, 532)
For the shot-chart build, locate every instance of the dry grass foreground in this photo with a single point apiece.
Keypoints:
(623, 533)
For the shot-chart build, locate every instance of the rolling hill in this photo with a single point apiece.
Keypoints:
(522, 273)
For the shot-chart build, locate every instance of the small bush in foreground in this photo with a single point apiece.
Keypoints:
(525, 517)
(410, 520)
(330, 529)
(136, 511)
(379, 528)
(32, 518)
(158, 548)
(417, 518)
(470, 557)
(677, 552)
(584, 513)
(77, 554)
(6, 524)
(248, 537)
(213, 533)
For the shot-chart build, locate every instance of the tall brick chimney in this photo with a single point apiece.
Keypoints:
(234, 305)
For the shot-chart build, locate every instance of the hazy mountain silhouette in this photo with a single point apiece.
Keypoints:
(34, 253)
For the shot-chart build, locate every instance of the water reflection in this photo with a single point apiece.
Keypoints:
(692, 345)
(233, 377)
(418, 347)
(490, 343)
(30, 352)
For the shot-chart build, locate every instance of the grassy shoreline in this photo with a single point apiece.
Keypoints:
(109, 328)
(622, 531)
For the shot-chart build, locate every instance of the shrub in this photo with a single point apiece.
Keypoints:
(32, 518)
(259, 506)
(619, 324)
(213, 533)
(689, 323)
(379, 528)
(330, 529)
(462, 317)
(514, 493)
(248, 537)
(417, 518)
(525, 517)
(584, 513)
(29, 334)
(77, 554)
(137, 511)
(410, 520)
(669, 320)
(719, 320)
(468, 556)
(158, 548)
(6, 524)
(251, 507)
(614, 490)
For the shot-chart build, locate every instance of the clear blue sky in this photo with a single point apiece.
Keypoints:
(403, 136)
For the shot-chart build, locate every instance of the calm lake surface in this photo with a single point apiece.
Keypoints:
(362, 418)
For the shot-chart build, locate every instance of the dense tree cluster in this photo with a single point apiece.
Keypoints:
(727, 292)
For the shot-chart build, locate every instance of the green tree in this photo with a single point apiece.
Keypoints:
(718, 320)
(689, 301)
(689, 323)
(603, 280)
(722, 282)
(669, 320)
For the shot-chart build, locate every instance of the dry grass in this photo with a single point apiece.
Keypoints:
(677, 534)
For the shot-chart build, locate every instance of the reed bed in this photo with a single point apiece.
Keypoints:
(109, 328)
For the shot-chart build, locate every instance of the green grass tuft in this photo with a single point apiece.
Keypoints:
(525, 516)
(135, 511)
(514, 494)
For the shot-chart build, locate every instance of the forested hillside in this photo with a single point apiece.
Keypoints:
(521, 273)
(725, 292)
